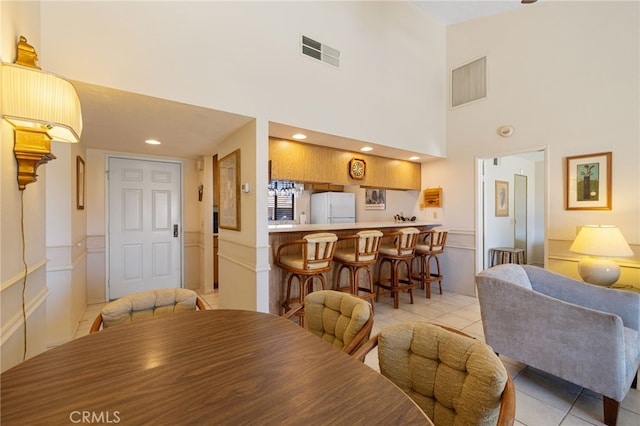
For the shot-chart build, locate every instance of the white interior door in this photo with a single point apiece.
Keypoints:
(144, 226)
(520, 212)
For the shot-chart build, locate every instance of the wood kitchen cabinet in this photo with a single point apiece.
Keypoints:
(315, 164)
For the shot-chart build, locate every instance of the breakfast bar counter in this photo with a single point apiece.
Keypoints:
(355, 227)
(281, 233)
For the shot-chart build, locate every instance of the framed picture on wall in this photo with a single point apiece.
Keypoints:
(80, 183)
(229, 169)
(375, 199)
(589, 182)
(502, 198)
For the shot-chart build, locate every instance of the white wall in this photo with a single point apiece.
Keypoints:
(561, 84)
(243, 57)
(66, 245)
(243, 255)
(18, 18)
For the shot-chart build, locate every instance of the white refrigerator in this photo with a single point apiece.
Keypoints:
(333, 207)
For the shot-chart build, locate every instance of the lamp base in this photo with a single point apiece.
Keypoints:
(32, 148)
(598, 271)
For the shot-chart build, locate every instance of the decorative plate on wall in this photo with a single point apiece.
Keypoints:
(357, 168)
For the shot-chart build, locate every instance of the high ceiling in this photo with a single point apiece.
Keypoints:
(456, 11)
(120, 121)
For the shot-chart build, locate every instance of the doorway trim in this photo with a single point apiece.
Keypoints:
(107, 263)
(480, 201)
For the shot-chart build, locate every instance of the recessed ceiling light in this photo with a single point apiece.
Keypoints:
(152, 142)
(414, 158)
(299, 136)
(366, 149)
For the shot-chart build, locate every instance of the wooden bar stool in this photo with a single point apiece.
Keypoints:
(313, 258)
(430, 245)
(400, 251)
(500, 255)
(358, 257)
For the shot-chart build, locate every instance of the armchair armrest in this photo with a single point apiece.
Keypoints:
(624, 304)
(367, 347)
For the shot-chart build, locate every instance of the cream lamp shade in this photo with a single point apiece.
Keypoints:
(41, 107)
(600, 242)
(32, 98)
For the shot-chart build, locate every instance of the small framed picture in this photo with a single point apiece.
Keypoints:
(80, 183)
(229, 169)
(502, 198)
(589, 182)
(375, 199)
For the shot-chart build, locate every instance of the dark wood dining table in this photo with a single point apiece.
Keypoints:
(219, 367)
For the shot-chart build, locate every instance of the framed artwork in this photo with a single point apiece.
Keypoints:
(432, 197)
(80, 183)
(229, 214)
(375, 199)
(589, 182)
(502, 198)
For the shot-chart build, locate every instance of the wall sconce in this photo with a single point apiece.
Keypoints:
(600, 241)
(41, 107)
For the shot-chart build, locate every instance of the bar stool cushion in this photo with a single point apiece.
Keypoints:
(425, 247)
(297, 262)
(392, 249)
(366, 240)
(335, 317)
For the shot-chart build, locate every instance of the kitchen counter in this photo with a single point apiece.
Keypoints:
(327, 227)
(281, 233)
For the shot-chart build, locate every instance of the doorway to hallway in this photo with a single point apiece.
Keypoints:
(518, 220)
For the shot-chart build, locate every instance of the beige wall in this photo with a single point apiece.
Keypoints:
(16, 19)
(243, 57)
(243, 255)
(66, 245)
(562, 85)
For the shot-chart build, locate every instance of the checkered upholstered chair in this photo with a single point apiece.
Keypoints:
(455, 379)
(147, 304)
(343, 320)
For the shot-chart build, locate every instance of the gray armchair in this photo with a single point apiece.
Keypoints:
(585, 334)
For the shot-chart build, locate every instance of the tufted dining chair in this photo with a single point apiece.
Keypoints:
(341, 319)
(147, 304)
(454, 379)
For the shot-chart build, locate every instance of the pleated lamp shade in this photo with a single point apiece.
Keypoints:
(32, 98)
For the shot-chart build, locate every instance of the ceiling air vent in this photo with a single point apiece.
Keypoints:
(321, 52)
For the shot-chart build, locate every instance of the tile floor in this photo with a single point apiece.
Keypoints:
(541, 399)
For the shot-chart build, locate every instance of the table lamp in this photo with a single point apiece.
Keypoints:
(600, 242)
